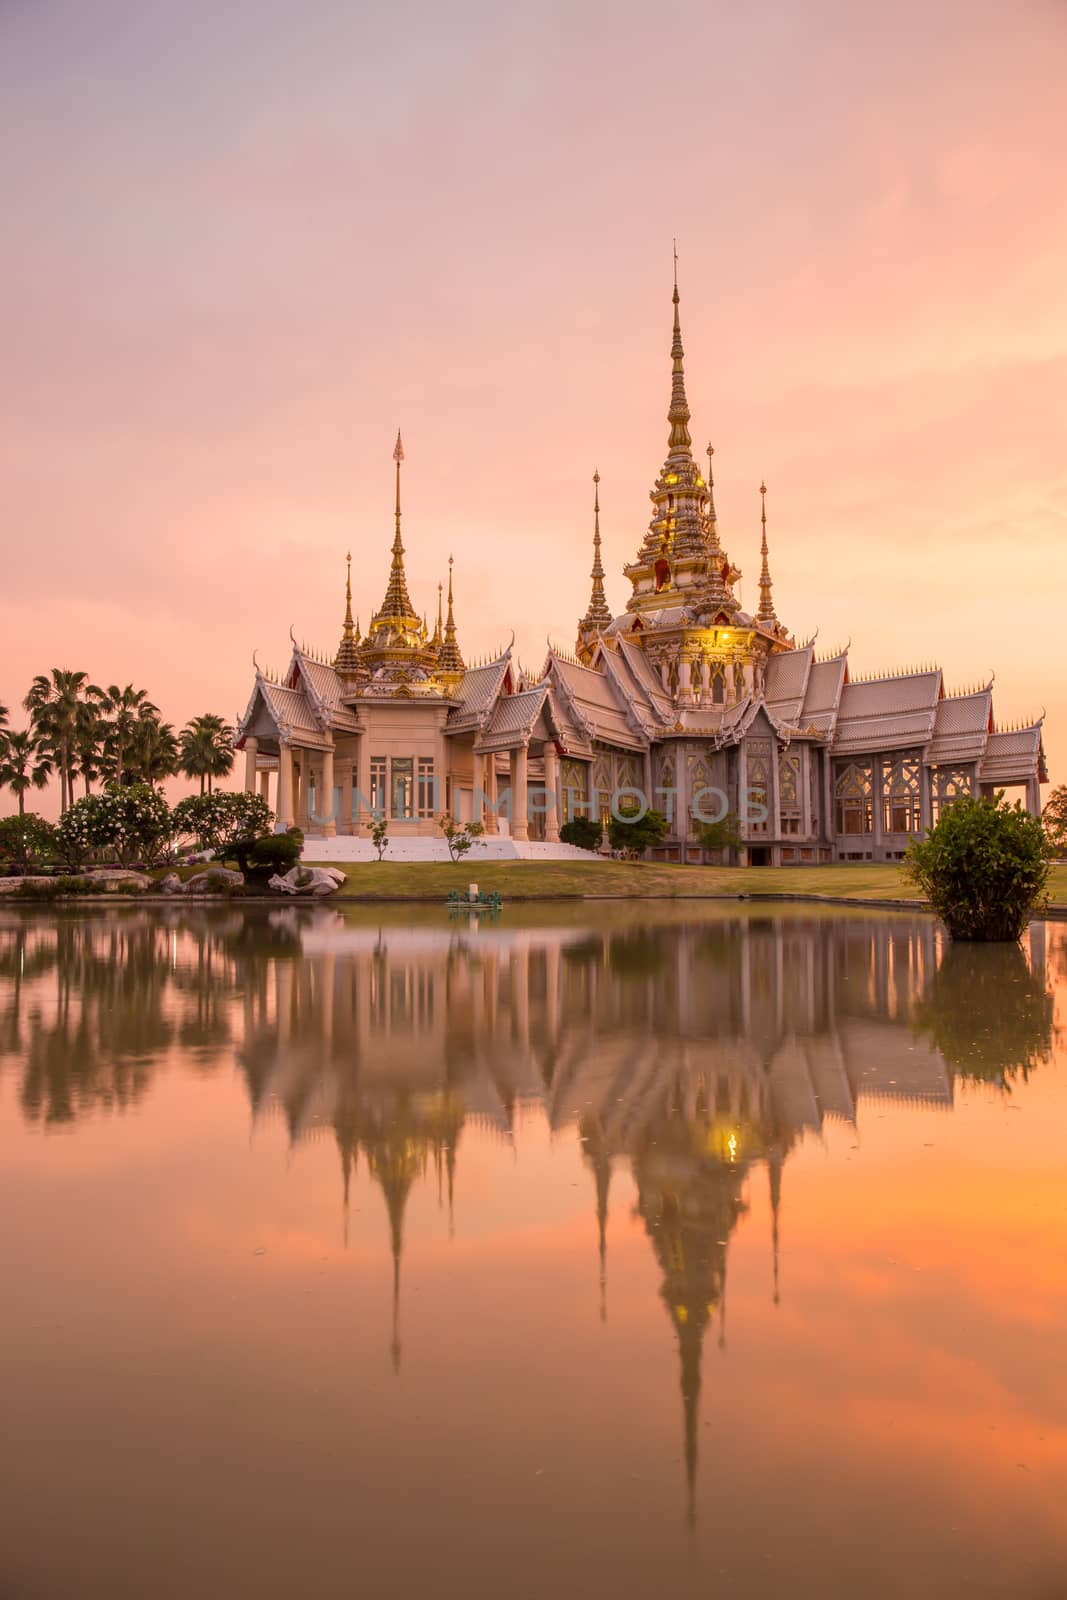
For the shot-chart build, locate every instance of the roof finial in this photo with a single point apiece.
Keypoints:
(713, 526)
(347, 657)
(598, 614)
(766, 603)
(678, 415)
(450, 660)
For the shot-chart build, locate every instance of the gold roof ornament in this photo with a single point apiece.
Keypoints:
(450, 661)
(397, 606)
(678, 415)
(598, 613)
(346, 660)
(766, 603)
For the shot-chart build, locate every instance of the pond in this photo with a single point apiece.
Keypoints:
(629, 1250)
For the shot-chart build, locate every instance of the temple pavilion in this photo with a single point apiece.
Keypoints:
(683, 696)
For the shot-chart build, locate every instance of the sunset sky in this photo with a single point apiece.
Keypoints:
(243, 243)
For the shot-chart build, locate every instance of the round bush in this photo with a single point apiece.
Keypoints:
(983, 868)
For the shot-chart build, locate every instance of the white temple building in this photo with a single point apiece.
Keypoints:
(685, 700)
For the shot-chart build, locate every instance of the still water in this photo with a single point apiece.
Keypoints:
(633, 1251)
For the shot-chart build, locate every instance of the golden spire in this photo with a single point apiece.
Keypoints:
(450, 660)
(347, 657)
(397, 602)
(436, 640)
(678, 415)
(713, 525)
(598, 614)
(766, 603)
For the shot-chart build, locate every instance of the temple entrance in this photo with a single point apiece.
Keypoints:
(759, 856)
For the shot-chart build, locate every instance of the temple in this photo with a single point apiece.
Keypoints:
(685, 698)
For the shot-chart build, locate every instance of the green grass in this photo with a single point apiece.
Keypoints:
(552, 880)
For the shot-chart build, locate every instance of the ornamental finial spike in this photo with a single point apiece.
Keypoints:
(766, 602)
(678, 415)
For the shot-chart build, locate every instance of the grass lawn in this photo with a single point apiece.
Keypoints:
(551, 880)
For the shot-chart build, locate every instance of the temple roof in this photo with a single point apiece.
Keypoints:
(961, 728)
(887, 713)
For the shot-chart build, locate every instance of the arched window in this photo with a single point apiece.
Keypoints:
(901, 804)
(853, 808)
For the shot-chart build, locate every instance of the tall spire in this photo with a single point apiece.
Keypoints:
(766, 603)
(397, 602)
(598, 614)
(678, 415)
(450, 660)
(713, 524)
(347, 657)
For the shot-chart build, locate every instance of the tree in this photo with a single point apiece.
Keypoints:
(633, 831)
(983, 868)
(25, 838)
(585, 832)
(1054, 819)
(206, 750)
(87, 752)
(722, 835)
(121, 710)
(227, 823)
(3, 725)
(153, 751)
(133, 822)
(460, 837)
(379, 835)
(53, 703)
(23, 766)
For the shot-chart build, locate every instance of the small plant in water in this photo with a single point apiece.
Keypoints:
(983, 868)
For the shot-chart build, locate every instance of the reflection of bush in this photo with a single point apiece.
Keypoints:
(987, 1013)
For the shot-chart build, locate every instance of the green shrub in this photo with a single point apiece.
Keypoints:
(225, 822)
(633, 832)
(274, 852)
(722, 835)
(26, 839)
(983, 868)
(585, 832)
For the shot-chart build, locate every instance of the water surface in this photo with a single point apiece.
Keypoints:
(630, 1251)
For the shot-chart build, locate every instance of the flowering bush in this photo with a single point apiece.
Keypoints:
(223, 821)
(127, 823)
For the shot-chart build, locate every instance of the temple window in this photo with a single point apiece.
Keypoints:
(789, 791)
(663, 575)
(603, 788)
(401, 787)
(425, 796)
(377, 785)
(718, 685)
(572, 780)
(901, 802)
(757, 804)
(853, 805)
(948, 784)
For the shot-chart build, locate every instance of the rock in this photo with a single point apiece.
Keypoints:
(111, 877)
(314, 881)
(14, 885)
(171, 884)
(216, 880)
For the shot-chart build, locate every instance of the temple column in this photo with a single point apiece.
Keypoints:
(681, 798)
(303, 788)
(324, 796)
(805, 791)
(551, 794)
(1033, 796)
(685, 672)
(363, 817)
(749, 677)
(878, 834)
(264, 785)
(489, 785)
(926, 797)
(285, 788)
(344, 821)
(520, 828)
(251, 752)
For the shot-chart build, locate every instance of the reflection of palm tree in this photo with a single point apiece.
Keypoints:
(987, 1013)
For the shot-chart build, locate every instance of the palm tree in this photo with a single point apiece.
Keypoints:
(3, 725)
(23, 765)
(88, 733)
(152, 753)
(53, 706)
(121, 710)
(206, 750)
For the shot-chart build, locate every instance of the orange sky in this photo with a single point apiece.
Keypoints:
(243, 244)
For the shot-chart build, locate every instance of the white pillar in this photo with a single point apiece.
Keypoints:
(251, 752)
(324, 796)
(519, 821)
(344, 822)
(489, 784)
(303, 785)
(684, 677)
(551, 794)
(285, 787)
(264, 785)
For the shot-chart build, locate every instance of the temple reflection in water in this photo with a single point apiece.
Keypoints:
(695, 1051)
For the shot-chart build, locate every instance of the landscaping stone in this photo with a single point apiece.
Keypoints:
(171, 884)
(216, 880)
(111, 877)
(314, 881)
